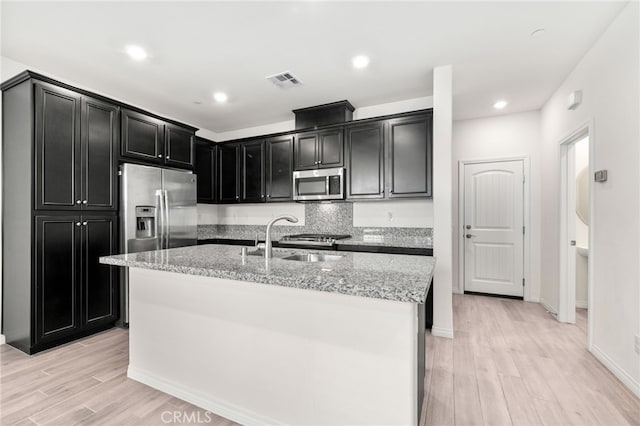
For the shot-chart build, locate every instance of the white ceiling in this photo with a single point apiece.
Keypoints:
(201, 47)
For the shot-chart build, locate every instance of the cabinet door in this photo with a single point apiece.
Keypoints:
(409, 152)
(252, 174)
(142, 137)
(205, 165)
(228, 173)
(57, 133)
(306, 151)
(330, 149)
(99, 137)
(99, 282)
(178, 146)
(280, 169)
(57, 262)
(365, 161)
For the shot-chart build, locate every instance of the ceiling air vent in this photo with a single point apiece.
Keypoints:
(284, 80)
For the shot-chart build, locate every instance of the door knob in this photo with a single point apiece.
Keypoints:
(78, 201)
(572, 242)
(469, 235)
(468, 226)
(78, 224)
(84, 201)
(84, 223)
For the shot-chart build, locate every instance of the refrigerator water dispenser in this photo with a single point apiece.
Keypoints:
(145, 222)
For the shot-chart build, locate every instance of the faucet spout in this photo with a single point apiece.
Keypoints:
(267, 249)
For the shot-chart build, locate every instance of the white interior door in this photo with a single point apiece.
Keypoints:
(494, 228)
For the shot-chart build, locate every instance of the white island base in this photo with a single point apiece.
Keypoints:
(264, 354)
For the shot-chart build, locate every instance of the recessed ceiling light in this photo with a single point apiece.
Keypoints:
(537, 33)
(360, 61)
(500, 104)
(220, 97)
(136, 53)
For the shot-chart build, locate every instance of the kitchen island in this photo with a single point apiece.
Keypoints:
(281, 341)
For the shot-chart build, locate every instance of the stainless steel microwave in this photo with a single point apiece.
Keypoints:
(321, 184)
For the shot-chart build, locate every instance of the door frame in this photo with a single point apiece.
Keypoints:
(527, 220)
(566, 277)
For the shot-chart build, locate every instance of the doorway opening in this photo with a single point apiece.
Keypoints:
(576, 228)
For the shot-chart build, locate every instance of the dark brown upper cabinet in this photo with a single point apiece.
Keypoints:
(142, 137)
(409, 152)
(205, 169)
(179, 151)
(100, 140)
(228, 173)
(76, 143)
(365, 161)
(156, 142)
(319, 149)
(279, 173)
(252, 172)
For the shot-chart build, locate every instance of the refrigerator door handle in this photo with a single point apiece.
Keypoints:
(161, 218)
(166, 217)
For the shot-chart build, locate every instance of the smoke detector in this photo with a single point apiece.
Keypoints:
(284, 80)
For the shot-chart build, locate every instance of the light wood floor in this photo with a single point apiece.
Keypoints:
(510, 363)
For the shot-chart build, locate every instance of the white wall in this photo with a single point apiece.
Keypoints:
(608, 75)
(259, 214)
(442, 201)
(505, 136)
(396, 214)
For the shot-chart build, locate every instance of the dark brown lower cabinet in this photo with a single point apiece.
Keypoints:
(74, 294)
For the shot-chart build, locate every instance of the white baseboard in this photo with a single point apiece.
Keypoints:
(548, 307)
(442, 332)
(624, 377)
(582, 304)
(221, 408)
(3, 339)
(533, 300)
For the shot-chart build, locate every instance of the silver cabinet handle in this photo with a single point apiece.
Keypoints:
(268, 195)
(78, 201)
(468, 226)
(84, 201)
(168, 158)
(469, 235)
(84, 223)
(78, 224)
(159, 155)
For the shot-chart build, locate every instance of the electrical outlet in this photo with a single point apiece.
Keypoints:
(637, 344)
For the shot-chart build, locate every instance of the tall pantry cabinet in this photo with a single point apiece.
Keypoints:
(60, 197)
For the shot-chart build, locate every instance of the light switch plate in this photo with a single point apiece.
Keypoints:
(600, 176)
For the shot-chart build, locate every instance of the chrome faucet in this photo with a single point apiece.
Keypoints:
(267, 244)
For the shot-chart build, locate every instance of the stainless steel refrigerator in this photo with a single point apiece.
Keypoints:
(158, 210)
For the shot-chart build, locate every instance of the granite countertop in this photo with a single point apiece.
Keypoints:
(403, 242)
(386, 241)
(392, 277)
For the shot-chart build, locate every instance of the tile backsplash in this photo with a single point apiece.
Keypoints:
(325, 218)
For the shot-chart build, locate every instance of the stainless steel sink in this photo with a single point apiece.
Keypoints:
(308, 257)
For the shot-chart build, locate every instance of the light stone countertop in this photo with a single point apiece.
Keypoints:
(395, 277)
(386, 241)
(402, 242)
